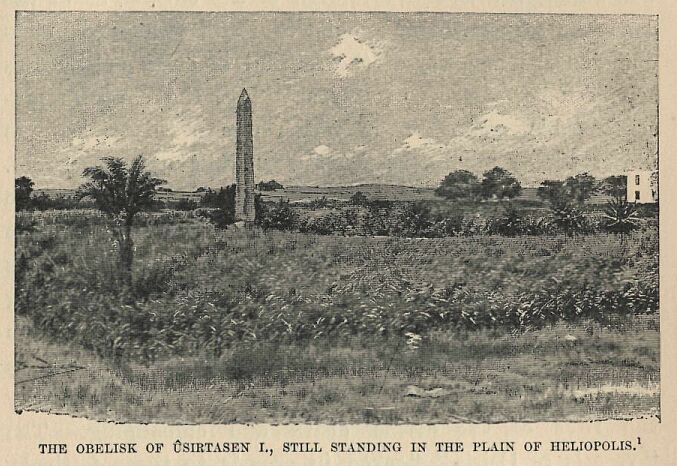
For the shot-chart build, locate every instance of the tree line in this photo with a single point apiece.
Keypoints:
(499, 183)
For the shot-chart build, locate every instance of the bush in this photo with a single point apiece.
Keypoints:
(271, 185)
(320, 203)
(359, 198)
(620, 217)
(324, 225)
(183, 204)
(279, 217)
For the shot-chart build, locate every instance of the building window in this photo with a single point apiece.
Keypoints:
(637, 180)
(637, 195)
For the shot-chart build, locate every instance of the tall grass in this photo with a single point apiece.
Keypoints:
(200, 290)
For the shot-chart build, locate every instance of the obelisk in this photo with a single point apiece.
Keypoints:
(244, 162)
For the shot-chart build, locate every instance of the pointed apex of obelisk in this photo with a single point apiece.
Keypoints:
(244, 96)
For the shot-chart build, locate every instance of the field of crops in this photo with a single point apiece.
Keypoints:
(513, 321)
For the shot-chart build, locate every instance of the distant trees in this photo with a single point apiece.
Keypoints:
(554, 192)
(581, 187)
(271, 185)
(23, 188)
(575, 190)
(497, 183)
(223, 200)
(359, 198)
(459, 184)
(121, 192)
(566, 199)
(615, 186)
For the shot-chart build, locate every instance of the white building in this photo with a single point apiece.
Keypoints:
(642, 187)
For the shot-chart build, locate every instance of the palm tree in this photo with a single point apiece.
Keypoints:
(121, 193)
(620, 217)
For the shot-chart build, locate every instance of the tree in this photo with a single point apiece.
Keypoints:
(615, 186)
(574, 190)
(23, 188)
(500, 183)
(359, 198)
(554, 192)
(459, 184)
(581, 187)
(271, 185)
(564, 199)
(121, 193)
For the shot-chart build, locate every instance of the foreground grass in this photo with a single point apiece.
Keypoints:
(577, 372)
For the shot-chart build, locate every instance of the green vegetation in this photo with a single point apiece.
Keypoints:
(215, 288)
(330, 308)
(121, 193)
(488, 377)
(497, 183)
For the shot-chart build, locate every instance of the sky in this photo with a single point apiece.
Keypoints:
(338, 98)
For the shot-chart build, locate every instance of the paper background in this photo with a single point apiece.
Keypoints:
(21, 434)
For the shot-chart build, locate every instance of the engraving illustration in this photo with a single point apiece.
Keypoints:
(336, 218)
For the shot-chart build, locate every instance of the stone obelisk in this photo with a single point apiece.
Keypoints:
(244, 162)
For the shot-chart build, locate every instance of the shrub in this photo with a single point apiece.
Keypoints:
(620, 217)
(271, 185)
(320, 203)
(416, 220)
(279, 217)
(568, 218)
(359, 198)
(324, 224)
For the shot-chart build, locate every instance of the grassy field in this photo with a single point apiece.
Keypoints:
(246, 326)
(536, 376)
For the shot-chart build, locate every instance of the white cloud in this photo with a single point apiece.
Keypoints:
(497, 123)
(418, 144)
(322, 150)
(353, 53)
(416, 141)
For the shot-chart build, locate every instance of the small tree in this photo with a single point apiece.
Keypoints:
(581, 187)
(271, 185)
(554, 192)
(615, 186)
(565, 202)
(121, 193)
(500, 183)
(359, 198)
(23, 188)
(459, 184)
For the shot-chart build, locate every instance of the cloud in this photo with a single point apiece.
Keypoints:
(495, 122)
(322, 150)
(417, 144)
(352, 53)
